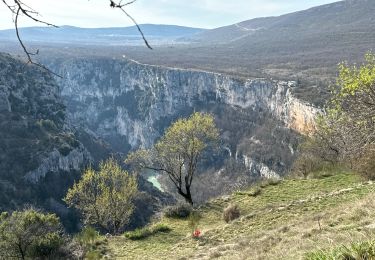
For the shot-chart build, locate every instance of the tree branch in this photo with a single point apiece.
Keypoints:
(20, 8)
(121, 7)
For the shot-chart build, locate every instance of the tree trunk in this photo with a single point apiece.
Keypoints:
(21, 252)
(187, 195)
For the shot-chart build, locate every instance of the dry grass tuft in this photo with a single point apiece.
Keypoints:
(231, 213)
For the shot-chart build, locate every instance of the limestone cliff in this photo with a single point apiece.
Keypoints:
(128, 98)
(130, 104)
(41, 153)
(38, 147)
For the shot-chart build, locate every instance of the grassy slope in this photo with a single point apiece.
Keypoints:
(280, 223)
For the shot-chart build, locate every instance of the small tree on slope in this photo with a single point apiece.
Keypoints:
(105, 198)
(178, 152)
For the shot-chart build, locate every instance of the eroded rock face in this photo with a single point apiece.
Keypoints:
(55, 162)
(129, 99)
(130, 104)
(41, 153)
(36, 140)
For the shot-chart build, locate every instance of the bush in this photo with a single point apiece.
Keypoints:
(366, 164)
(87, 237)
(47, 246)
(231, 213)
(138, 234)
(163, 228)
(178, 211)
(142, 233)
(255, 192)
(91, 244)
(29, 234)
(105, 197)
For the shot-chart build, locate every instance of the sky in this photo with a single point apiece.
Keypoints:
(193, 13)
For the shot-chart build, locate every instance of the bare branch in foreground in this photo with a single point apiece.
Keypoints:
(121, 6)
(17, 8)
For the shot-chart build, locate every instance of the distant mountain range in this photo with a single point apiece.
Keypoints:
(157, 34)
(350, 16)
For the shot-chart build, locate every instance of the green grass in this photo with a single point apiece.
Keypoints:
(142, 233)
(287, 218)
(355, 251)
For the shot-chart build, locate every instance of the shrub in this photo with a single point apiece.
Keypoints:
(105, 197)
(366, 164)
(138, 234)
(29, 234)
(255, 192)
(231, 213)
(90, 244)
(47, 246)
(142, 233)
(161, 228)
(87, 237)
(178, 211)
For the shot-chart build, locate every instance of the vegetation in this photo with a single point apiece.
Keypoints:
(178, 152)
(360, 250)
(231, 213)
(29, 234)
(280, 223)
(90, 244)
(178, 211)
(105, 197)
(345, 134)
(142, 233)
(194, 219)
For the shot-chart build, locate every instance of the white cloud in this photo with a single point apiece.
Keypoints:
(199, 13)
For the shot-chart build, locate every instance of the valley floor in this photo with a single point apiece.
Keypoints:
(285, 220)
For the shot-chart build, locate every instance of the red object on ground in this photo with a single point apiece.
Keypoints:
(197, 233)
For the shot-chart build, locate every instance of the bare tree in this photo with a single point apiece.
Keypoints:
(19, 8)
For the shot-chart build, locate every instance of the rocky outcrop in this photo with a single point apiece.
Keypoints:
(264, 171)
(55, 162)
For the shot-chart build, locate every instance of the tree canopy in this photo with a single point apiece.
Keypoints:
(346, 132)
(105, 197)
(179, 150)
(29, 234)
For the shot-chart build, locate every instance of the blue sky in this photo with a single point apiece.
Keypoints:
(195, 13)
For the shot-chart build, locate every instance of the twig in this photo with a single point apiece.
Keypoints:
(20, 8)
(121, 7)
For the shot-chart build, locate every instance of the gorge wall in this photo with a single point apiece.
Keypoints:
(41, 152)
(129, 105)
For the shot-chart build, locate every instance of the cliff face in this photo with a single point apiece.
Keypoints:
(36, 141)
(130, 104)
(41, 153)
(128, 98)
